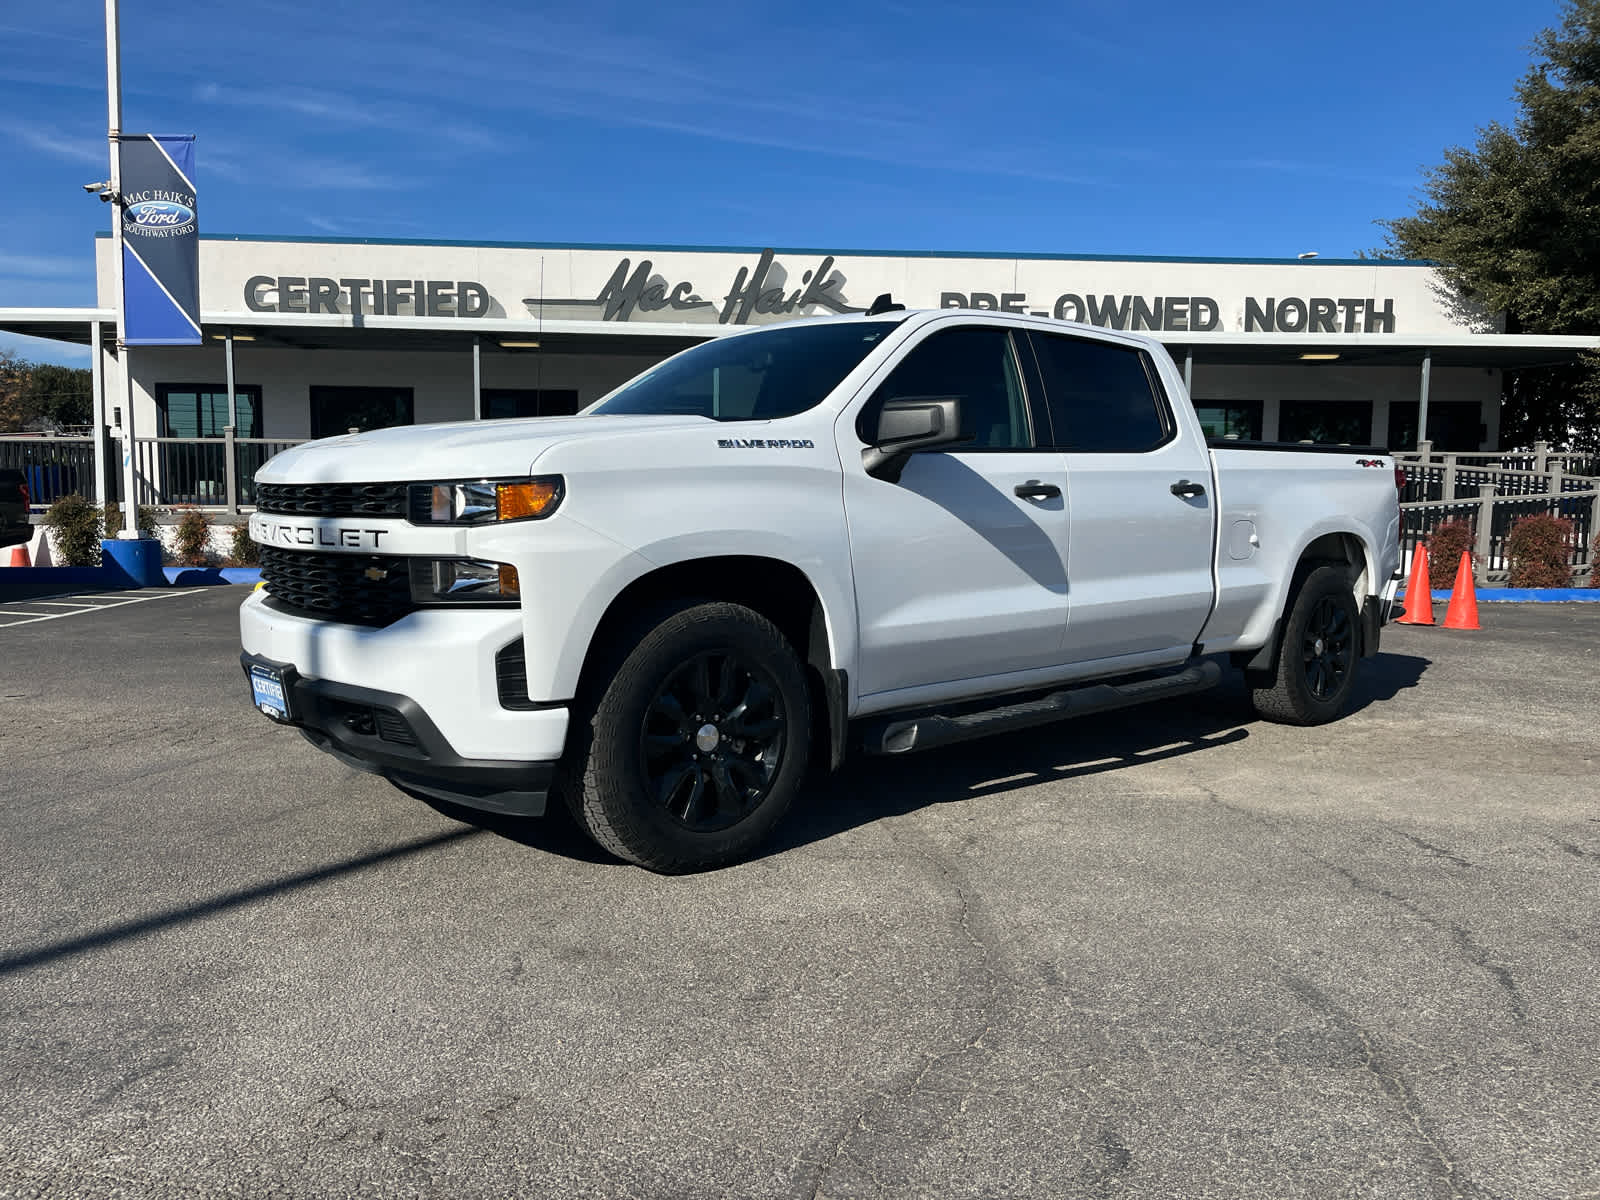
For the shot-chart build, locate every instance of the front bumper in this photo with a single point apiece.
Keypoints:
(434, 671)
(388, 734)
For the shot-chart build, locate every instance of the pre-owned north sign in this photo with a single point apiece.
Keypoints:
(623, 290)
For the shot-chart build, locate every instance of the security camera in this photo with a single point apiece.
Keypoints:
(103, 185)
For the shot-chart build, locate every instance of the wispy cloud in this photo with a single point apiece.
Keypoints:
(72, 146)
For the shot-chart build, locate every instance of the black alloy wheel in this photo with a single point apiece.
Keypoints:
(713, 740)
(1328, 648)
(1319, 652)
(691, 740)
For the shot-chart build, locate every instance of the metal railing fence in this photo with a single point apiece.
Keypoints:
(1491, 492)
(207, 472)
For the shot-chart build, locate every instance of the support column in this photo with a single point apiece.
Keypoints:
(97, 376)
(1188, 371)
(1422, 398)
(477, 379)
(231, 467)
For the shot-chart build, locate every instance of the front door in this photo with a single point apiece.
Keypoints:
(960, 566)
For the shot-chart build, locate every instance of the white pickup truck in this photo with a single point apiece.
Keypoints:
(892, 530)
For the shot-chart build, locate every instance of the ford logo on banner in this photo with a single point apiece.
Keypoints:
(160, 214)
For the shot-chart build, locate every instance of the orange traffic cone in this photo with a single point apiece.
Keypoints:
(1463, 610)
(19, 557)
(1419, 599)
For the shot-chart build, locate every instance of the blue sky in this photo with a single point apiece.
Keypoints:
(1162, 128)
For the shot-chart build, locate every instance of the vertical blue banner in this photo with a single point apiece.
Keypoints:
(160, 241)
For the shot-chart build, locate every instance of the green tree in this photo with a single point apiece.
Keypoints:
(1514, 222)
(63, 394)
(13, 378)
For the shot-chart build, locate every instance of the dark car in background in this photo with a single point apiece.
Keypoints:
(14, 527)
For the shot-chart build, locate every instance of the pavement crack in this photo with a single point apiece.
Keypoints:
(1440, 851)
(1393, 1084)
(1471, 949)
(894, 1118)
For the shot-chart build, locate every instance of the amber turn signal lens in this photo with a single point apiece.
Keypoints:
(510, 585)
(532, 499)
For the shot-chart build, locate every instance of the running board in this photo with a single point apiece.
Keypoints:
(904, 735)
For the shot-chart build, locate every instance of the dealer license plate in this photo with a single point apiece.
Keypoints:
(268, 691)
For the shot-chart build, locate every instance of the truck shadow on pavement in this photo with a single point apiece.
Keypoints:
(872, 789)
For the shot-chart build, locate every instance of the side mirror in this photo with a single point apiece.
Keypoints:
(908, 424)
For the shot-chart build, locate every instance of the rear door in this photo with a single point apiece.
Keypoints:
(1139, 508)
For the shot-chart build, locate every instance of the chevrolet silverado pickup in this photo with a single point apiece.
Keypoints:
(885, 531)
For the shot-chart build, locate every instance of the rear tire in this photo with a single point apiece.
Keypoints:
(691, 749)
(1318, 655)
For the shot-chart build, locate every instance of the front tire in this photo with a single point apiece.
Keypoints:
(696, 744)
(1318, 655)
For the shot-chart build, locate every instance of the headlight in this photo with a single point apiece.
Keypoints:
(463, 581)
(485, 501)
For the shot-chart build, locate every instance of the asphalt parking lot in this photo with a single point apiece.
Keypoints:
(1170, 952)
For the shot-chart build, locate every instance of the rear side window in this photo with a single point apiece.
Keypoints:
(975, 363)
(1103, 398)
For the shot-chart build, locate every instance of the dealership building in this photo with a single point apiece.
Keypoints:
(320, 336)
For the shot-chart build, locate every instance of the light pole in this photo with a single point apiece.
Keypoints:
(130, 501)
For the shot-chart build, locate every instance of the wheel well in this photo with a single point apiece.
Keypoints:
(1343, 548)
(1337, 549)
(776, 589)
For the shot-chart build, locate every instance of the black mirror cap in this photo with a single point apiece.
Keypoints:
(908, 424)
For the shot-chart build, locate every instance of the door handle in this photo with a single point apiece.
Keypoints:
(1187, 490)
(1034, 490)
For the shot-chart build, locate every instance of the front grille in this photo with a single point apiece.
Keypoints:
(332, 499)
(364, 589)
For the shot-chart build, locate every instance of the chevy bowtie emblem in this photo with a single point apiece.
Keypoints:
(375, 574)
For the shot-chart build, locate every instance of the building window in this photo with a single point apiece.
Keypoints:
(1240, 420)
(1452, 425)
(336, 410)
(499, 403)
(200, 410)
(1326, 422)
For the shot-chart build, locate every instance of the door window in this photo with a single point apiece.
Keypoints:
(1325, 422)
(336, 410)
(200, 410)
(500, 403)
(977, 365)
(1103, 398)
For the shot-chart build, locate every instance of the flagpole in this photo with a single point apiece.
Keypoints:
(130, 502)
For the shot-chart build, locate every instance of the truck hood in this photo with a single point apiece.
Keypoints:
(457, 450)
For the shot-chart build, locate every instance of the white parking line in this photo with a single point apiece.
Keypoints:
(35, 618)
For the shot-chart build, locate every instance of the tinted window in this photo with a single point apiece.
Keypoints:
(528, 402)
(1100, 396)
(775, 372)
(975, 364)
(336, 410)
(1328, 422)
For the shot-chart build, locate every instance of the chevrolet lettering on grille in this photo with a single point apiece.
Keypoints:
(285, 533)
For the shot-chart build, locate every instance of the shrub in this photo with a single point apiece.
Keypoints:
(1594, 561)
(1444, 552)
(245, 552)
(75, 522)
(1538, 548)
(112, 520)
(192, 543)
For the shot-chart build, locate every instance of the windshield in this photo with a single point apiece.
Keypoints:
(752, 377)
